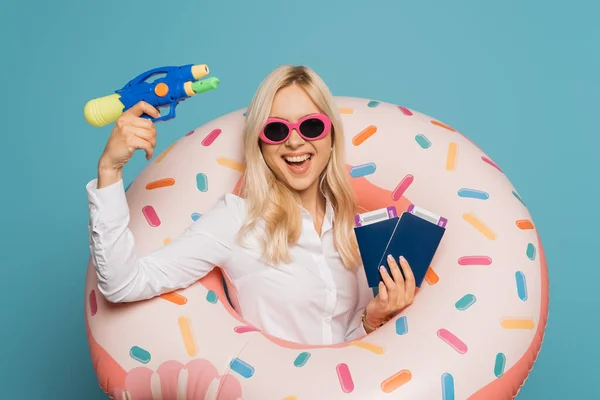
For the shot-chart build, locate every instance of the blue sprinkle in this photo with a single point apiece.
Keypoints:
(362, 170)
(195, 216)
(373, 104)
(521, 285)
(401, 326)
(499, 365)
(202, 182)
(211, 297)
(423, 141)
(301, 359)
(531, 251)
(139, 354)
(465, 302)
(473, 194)
(447, 386)
(244, 114)
(242, 368)
(518, 197)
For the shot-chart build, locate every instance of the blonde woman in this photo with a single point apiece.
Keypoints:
(287, 243)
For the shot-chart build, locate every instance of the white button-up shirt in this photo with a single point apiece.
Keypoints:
(312, 300)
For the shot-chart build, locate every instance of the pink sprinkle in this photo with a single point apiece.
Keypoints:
(93, 303)
(402, 186)
(345, 378)
(405, 111)
(245, 329)
(452, 340)
(151, 216)
(475, 260)
(207, 141)
(190, 133)
(487, 160)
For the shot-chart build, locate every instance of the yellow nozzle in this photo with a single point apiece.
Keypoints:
(103, 110)
(200, 70)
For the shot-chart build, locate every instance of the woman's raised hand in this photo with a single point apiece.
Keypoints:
(131, 132)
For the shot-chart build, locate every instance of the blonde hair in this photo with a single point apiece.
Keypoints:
(272, 200)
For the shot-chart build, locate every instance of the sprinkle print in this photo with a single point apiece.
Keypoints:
(401, 326)
(140, 355)
(472, 206)
(402, 187)
(531, 251)
(211, 137)
(363, 135)
(423, 141)
(161, 183)
(452, 157)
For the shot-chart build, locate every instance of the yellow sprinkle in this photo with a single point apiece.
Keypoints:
(479, 225)
(346, 110)
(517, 323)
(290, 398)
(164, 153)
(185, 326)
(231, 164)
(368, 346)
(451, 157)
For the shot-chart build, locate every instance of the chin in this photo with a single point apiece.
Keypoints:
(300, 178)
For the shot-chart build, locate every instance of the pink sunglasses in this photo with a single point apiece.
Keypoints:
(310, 127)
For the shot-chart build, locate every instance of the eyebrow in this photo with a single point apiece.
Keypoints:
(285, 119)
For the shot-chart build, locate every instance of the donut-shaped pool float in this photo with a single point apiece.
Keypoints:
(473, 331)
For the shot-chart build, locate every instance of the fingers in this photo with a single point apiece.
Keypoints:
(409, 278)
(136, 142)
(396, 273)
(383, 294)
(143, 108)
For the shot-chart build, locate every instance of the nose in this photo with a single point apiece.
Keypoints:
(295, 140)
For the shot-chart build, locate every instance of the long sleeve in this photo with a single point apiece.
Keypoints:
(123, 276)
(356, 330)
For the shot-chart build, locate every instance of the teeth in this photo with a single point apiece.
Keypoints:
(298, 159)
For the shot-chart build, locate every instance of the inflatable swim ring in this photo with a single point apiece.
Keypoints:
(474, 330)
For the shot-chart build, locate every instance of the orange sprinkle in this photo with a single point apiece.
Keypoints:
(290, 398)
(368, 346)
(438, 123)
(524, 224)
(160, 183)
(364, 135)
(174, 298)
(231, 164)
(164, 153)
(480, 226)
(517, 323)
(451, 156)
(395, 381)
(346, 110)
(431, 276)
(166, 241)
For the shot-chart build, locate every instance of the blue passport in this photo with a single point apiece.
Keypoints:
(408, 235)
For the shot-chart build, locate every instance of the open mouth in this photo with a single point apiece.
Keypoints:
(298, 165)
(298, 160)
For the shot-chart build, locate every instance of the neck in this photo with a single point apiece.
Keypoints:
(313, 201)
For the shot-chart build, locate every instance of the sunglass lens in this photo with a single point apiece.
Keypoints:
(276, 131)
(312, 128)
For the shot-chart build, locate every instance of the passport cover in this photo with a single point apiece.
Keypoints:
(408, 235)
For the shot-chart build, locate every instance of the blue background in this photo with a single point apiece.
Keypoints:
(520, 78)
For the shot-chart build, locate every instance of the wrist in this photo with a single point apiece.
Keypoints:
(108, 175)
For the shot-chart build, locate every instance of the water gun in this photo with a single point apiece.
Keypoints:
(177, 84)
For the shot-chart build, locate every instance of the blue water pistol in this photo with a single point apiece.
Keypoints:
(174, 84)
